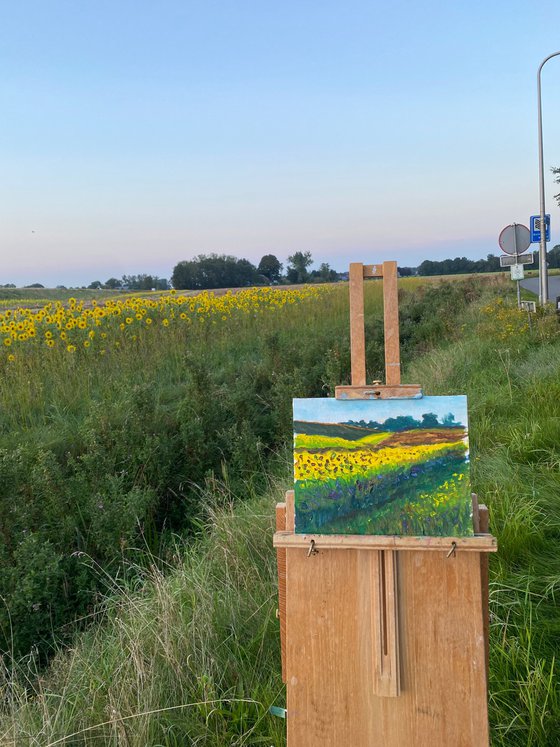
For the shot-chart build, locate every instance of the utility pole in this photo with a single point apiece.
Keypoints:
(543, 270)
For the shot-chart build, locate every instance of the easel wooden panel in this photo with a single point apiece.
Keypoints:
(330, 656)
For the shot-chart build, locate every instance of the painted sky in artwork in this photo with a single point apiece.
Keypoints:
(327, 410)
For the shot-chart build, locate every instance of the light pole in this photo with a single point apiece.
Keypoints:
(543, 271)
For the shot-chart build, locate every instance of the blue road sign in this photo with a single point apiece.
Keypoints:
(536, 228)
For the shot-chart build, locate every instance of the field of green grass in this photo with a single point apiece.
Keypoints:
(31, 296)
(137, 507)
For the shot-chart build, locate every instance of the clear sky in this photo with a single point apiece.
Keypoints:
(137, 134)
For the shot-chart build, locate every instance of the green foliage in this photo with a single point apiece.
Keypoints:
(271, 267)
(556, 171)
(143, 282)
(298, 263)
(514, 435)
(192, 657)
(214, 271)
(553, 256)
(460, 265)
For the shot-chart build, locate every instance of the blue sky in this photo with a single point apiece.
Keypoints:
(137, 134)
(329, 410)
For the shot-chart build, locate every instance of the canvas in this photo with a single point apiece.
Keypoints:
(382, 467)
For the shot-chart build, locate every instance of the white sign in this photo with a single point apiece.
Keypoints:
(517, 272)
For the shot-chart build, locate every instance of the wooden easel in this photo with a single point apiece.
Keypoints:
(384, 638)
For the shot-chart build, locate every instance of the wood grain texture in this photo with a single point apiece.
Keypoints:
(378, 624)
(442, 545)
(373, 271)
(475, 513)
(357, 333)
(378, 618)
(391, 324)
(331, 657)
(484, 581)
(404, 391)
(281, 565)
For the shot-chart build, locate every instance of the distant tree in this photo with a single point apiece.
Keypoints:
(144, 282)
(406, 272)
(459, 265)
(427, 267)
(556, 171)
(492, 263)
(553, 256)
(35, 285)
(214, 271)
(9, 285)
(298, 264)
(325, 274)
(113, 283)
(95, 285)
(271, 267)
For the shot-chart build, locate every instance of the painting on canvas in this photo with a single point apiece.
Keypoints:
(382, 467)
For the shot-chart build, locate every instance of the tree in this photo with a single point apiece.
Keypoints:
(556, 171)
(271, 267)
(297, 271)
(95, 285)
(325, 274)
(144, 282)
(214, 271)
(113, 283)
(553, 256)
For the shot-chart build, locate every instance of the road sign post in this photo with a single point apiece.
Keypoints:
(514, 241)
(507, 260)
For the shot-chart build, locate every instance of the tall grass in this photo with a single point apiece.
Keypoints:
(187, 652)
(189, 657)
(102, 456)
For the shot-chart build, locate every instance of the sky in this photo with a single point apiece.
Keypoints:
(137, 134)
(329, 410)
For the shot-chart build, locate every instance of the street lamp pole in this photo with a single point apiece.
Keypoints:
(543, 270)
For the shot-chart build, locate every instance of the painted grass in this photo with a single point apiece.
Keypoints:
(305, 442)
(428, 494)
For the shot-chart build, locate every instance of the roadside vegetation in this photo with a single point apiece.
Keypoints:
(138, 494)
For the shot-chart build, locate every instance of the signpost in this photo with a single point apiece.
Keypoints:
(514, 240)
(506, 260)
(535, 223)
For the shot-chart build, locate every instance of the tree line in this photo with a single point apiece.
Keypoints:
(207, 271)
(225, 271)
